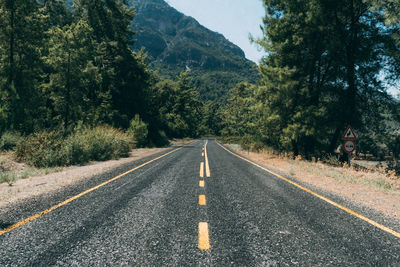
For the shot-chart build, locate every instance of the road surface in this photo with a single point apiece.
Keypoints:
(197, 205)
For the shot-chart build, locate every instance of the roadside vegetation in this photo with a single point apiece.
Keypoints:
(49, 149)
(317, 170)
(73, 91)
(328, 65)
(45, 152)
(11, 170)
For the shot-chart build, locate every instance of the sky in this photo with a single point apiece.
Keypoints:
(235, 19)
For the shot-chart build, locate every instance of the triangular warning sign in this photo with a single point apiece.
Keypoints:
(349, 134)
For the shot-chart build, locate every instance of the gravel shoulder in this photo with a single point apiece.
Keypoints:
(34, 186)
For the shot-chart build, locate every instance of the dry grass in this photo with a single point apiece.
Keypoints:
(11, 170)
(371, 188)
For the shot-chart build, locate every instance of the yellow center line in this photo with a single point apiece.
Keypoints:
(202, 200)
(204, 240)
(201, 183)
(201, 169)
(25, 221)
(202, 154)
(378, 225)
(206, 160)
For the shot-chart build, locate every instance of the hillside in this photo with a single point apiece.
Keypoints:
(176, 43)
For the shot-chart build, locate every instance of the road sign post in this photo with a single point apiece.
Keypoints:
(349, 144)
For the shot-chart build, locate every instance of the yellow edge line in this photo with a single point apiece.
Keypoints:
(25, 221)
(204, 240)
(378, 225)
(206, 160)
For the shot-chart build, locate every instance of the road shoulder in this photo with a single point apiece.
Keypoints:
(34, 186)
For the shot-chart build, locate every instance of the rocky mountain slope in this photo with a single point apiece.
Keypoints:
(176, 43)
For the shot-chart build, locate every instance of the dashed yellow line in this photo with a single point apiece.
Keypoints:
(204, 240)
(206, 160)
(202, 200)
(25, 221)
(378, 225)
(201, 169)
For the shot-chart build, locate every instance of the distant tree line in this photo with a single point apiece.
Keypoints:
(328, 64)
(67, 65)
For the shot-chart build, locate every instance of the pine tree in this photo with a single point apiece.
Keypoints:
(212, 118)
(21, 39)
(239, 116)
(69, 57)
(187, 105)
(124, 86)
(179, 107)
(321, 72)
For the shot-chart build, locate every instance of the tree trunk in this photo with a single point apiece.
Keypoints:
(351, 50)
(68, 92)
(295, 147)
(11, 70)
(348, 37)
(335, 138)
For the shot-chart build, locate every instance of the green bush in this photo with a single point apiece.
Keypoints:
(394, 144)
(162, 139)
(99, 143)
(231, 139)
(77, 149)
(158, 139)
(138, 129)
(52, 149)
(43, 149)
(9, 140)
(7, 177)
(246, 142)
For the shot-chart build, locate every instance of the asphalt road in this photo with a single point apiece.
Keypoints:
(153, 216)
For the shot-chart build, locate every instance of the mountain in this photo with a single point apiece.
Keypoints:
(175, 43)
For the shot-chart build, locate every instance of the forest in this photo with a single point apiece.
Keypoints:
(70, 84)
(68, 76)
